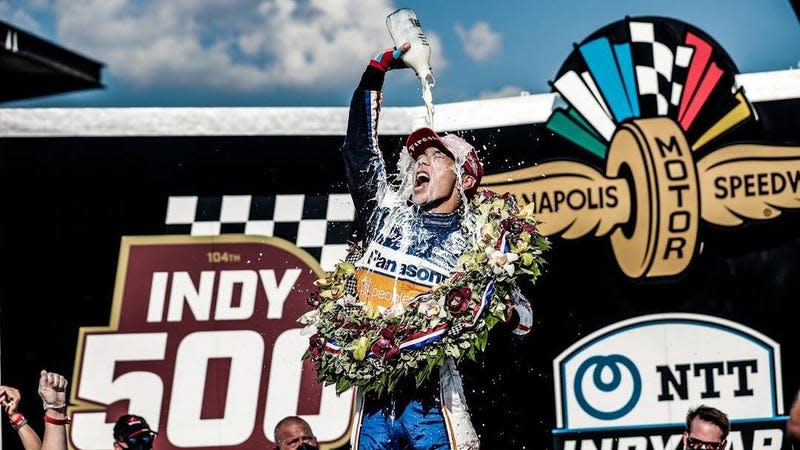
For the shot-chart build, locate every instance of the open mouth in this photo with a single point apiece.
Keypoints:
(421, 179)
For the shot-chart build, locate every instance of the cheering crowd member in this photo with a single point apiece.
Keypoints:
(10, 399)
(53, 392)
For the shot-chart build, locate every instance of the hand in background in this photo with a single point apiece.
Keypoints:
(10, 399)
(52, 390)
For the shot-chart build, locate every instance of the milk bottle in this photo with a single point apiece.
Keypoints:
(405, 27)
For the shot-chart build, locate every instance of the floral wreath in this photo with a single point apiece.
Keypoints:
(373, 348)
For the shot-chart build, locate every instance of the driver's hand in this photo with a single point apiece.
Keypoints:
(390, 58)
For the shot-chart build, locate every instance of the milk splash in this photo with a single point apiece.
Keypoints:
(402, 222)
(427, 97)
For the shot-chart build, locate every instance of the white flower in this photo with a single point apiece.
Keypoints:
(310, 320)
(308, 330)
(348, 299)
(396, 310)
(433, 309)
(500, 262)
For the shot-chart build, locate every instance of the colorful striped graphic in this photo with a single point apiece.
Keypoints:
(654, 73)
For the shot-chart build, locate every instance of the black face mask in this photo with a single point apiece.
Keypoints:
(307, 447)
(141, 446)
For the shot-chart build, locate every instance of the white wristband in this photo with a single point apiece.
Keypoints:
(47, 405)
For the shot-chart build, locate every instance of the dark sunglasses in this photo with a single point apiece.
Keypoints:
(697, 444)
(143, 438)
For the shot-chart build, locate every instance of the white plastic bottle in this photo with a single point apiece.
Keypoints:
(405, 27)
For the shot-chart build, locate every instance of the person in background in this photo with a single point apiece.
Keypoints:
(706, 429)
(132, 432)
(10, 399)
(793, 424)
(294, 433)
(53, 392)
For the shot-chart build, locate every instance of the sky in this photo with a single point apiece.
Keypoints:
(225, 53)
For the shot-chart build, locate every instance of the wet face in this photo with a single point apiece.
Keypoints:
(703, 435)
(435, 181)
(294, 434)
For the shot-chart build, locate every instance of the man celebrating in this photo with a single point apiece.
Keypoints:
(413, 235)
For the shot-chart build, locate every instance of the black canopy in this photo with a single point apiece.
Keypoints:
(32, 67)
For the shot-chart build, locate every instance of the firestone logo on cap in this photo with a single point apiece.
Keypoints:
(414, 146)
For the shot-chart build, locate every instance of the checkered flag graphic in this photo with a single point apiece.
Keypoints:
(660, 72)
(322, 225)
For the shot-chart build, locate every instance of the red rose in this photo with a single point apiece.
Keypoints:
(392, 352)
(458, 300)
(385, 347)
(388, 332)
(516, 225)
(316, 345)
(314, 299)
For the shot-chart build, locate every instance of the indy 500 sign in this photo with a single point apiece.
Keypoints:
(204, 343)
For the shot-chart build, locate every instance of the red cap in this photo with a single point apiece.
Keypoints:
(459, 149)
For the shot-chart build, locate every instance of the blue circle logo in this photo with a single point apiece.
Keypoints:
(611, 363)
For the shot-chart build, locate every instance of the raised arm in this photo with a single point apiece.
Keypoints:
(364, 166)
(53, 391)
(10, 399)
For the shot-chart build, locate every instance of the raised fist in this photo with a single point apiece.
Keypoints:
(52, 390)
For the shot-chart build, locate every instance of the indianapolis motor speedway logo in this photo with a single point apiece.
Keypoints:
(650, 97)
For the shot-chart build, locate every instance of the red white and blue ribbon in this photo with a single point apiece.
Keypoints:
(423, 338)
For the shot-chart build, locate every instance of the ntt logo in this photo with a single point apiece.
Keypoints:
(606, 374)
(649, 370)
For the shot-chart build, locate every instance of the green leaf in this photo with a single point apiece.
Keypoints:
(342, 385)
(422, 375)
